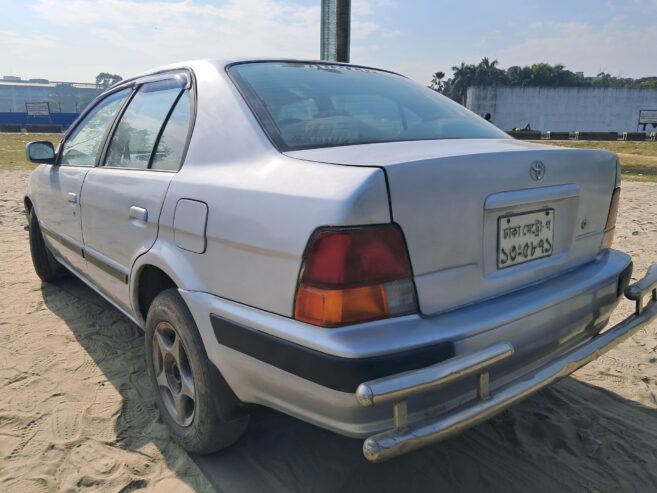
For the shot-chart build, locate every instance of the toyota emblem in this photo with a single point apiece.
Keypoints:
(537, 170)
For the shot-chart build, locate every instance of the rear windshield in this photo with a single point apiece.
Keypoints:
(305, 106)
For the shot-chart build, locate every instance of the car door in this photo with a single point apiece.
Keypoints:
(122, 197)
(57, 188)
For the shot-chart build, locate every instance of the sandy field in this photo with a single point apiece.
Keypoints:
(76, 411)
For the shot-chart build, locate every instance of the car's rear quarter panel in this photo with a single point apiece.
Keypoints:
(260, 216)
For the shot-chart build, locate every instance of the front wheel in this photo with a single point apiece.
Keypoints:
(191, 395)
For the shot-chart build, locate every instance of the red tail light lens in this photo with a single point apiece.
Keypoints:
(353, 275)
(610, 227)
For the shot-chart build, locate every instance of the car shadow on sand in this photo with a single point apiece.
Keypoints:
(570, 437)
(116, 346)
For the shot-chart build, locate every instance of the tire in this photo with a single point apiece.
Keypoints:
(46, 266)
(213, 419)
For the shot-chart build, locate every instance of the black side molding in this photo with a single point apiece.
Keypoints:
(334, 372)
(62, 240)
(105, 267)
(85, 253)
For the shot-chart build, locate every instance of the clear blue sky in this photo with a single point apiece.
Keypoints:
(76, 39)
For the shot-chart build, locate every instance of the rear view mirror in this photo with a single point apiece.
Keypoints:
(40, 152)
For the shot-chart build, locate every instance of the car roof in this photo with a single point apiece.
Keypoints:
(222, 63)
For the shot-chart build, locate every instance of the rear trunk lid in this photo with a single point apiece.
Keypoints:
(476, 218)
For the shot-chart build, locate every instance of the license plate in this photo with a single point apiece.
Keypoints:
(524, 237)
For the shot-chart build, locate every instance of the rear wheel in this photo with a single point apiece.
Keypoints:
(195, 403)
(46, 266)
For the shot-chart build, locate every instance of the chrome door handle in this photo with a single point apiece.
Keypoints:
(138, 213)
(73, 197)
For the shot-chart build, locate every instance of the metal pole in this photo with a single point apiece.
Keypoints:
(335, 30)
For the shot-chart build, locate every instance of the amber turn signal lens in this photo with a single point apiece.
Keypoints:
(332, 307)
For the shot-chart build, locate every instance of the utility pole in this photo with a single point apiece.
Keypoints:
(335, 30)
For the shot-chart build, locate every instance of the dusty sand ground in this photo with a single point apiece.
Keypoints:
(76, 412)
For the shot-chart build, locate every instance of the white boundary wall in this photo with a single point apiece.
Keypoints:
(586, 109)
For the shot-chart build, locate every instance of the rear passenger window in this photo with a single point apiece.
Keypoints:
(168, 154)
(137, 132)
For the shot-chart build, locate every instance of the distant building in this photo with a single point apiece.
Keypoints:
(565, 109)
(64, 97)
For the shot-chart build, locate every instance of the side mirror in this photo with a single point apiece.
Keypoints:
(40, 152)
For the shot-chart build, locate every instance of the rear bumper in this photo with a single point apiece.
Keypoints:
(316, 375)
(405, 437)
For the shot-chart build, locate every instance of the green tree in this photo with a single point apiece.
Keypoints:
(105, 80)
(464, 77)
(647, 83)
(604, 79)
(437, 83)
(487, 73)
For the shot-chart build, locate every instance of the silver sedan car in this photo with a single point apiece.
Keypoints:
(335, 242)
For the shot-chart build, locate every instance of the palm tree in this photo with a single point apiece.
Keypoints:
(437, 83)
(487, 73)
(464, 76)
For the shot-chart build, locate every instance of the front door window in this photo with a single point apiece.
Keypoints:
(82, 146)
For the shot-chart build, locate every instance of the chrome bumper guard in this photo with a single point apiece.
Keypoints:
(405, 437)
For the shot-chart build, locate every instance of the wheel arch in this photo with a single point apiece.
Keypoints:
(152, 273)
(150, 282)
(27, 203)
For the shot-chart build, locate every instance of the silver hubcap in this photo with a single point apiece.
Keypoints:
(173, 373)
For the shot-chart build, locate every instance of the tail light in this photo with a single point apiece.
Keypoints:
(610, 227)
(353, 275)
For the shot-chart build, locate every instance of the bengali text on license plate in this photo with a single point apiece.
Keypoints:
(524, 237)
